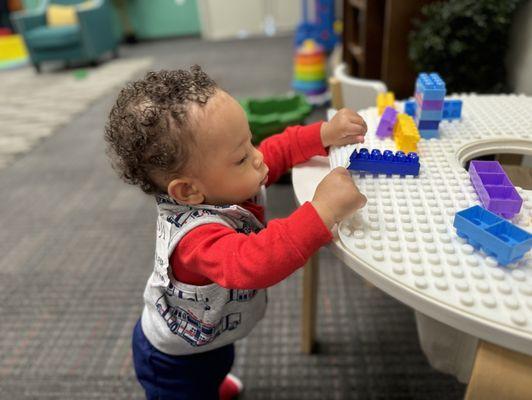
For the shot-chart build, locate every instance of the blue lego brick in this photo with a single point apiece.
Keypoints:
(410, 108)
(430, 81)
(422, 97)
(427, 124)
(452, 109)
(431, 85)
(428, 115)
(384, 163)
(429, 133)
(497, 237)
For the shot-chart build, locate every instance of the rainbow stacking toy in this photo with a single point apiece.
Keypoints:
(310, 70)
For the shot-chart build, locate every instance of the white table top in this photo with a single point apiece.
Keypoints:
(403, 240)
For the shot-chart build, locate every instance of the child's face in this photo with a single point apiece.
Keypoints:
(228, 168)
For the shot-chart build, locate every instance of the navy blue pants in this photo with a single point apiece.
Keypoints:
(192, 377)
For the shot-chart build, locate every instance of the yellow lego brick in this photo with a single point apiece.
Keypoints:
(405, 133)
(407, 147)
(385, 100)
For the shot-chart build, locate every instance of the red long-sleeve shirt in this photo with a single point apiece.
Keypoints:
(217, 253)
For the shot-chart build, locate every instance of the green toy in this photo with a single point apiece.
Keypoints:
(273, 114)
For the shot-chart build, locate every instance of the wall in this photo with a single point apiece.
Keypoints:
(520, 55)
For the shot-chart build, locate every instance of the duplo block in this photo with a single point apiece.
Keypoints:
(384, 100)
(452, 109)
(405, 133)
(410, 108)
(494, 235)
(386, 123)
(431, 86)
(494, 188)
(429, 133)
(384, 163)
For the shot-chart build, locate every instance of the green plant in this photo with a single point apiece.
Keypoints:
(465, 41)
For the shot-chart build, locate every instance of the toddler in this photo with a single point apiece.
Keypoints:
(181, 138)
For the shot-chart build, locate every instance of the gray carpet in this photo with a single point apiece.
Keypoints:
(77, 244)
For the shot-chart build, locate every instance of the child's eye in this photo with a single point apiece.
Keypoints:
(241, 161)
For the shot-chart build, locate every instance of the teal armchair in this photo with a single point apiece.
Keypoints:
(86, 41)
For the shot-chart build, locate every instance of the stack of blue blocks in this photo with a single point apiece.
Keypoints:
(430, 94)
(452, 109)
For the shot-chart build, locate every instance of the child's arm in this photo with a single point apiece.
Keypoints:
(295, 145)
(298, 144)
(239, 261)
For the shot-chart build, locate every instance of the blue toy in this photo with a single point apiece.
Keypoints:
(496, 236)
(431, 86)
(321, 31)
(452, 109)
(384, 163)
(410, 108)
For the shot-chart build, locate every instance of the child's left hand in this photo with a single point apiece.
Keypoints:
(346, 127)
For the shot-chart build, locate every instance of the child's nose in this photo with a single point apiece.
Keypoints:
(259, 158)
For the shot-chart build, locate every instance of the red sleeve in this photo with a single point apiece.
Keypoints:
(295, 145)
(259, 260)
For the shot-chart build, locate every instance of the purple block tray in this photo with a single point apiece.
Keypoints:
(495, 190)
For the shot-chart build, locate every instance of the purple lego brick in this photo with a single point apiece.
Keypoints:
(495, 190)
(428, 104)
(385, 127)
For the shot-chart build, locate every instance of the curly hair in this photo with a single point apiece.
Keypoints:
(148, 130)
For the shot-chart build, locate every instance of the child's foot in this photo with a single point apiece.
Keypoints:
(230, 388)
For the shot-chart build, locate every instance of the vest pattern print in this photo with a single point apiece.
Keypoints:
(180, 318)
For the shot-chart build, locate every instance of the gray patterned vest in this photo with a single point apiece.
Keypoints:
(180, 318)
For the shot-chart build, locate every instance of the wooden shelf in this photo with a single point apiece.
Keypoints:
(375, 41)
(360, 4)
(357, 52)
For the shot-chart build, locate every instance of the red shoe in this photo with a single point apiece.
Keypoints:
(230, 388)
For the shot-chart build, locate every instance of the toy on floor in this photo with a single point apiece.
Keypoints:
(384, 163)
(497, 237)
(494, 188)
(271, 115)
(310, 71)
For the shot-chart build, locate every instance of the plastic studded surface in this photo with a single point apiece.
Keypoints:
(405, 233)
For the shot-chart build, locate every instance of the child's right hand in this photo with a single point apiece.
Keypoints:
(337, 197)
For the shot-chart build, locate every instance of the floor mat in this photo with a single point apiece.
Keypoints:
(35, 105)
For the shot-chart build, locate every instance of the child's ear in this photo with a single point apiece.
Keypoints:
(184, 191)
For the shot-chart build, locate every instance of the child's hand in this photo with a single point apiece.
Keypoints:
(337, 197)
(346, 127)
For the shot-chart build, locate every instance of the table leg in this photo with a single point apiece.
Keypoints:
(310, 289)
(499, 373)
